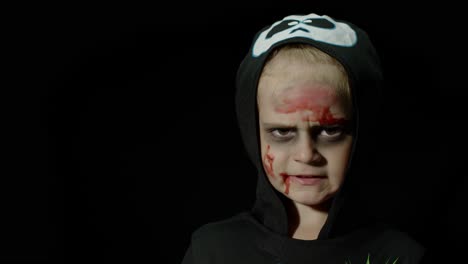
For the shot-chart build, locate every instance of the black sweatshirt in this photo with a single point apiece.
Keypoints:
(350, 234)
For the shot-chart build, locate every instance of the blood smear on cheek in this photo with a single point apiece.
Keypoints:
(268, 162)
(287, 182)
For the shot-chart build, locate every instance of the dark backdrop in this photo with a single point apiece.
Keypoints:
(123, 136)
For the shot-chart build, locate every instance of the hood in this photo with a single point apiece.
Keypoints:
(352, 47)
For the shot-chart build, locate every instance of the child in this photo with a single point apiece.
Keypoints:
(306, 97)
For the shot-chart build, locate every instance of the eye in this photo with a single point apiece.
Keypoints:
(282, 133)
(331, 132)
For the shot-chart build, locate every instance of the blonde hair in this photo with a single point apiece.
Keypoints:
(314, 56)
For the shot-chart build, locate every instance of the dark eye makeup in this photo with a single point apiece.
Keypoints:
(329, 133)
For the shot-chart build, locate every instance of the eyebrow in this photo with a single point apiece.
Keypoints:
(278, 125)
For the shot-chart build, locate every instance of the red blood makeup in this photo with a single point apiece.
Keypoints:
(268, 162)
(268, 166)
(287, 181)
(313, 103)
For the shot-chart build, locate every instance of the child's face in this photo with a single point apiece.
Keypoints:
(304, 147)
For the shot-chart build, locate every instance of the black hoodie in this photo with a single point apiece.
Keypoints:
(350, 234)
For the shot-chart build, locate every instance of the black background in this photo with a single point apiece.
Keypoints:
(122, 136)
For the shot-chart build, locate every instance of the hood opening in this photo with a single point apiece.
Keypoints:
(362, 65)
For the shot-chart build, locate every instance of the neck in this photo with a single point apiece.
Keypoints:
(305, 222)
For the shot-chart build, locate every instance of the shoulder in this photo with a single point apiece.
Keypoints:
(400, 244)
(230, 238)
(395, 236)
(230, 228)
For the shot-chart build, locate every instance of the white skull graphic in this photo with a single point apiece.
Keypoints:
(312, 26)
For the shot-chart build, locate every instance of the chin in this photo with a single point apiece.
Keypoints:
(308, 198)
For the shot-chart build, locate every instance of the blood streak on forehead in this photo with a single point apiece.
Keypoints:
(305, 98)
(314, 101)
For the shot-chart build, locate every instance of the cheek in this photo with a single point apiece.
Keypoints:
(337, 159)
(279, 161)
(268, 162)
(273, 159)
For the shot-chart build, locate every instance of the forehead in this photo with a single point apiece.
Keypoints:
(293, 88)
(292, 76)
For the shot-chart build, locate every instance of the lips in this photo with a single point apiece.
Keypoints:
(306, 179)
(308, 176)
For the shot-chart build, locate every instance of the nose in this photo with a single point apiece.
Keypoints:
(307, 153)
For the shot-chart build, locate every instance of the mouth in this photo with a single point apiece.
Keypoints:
(308, 176)
(305, 179)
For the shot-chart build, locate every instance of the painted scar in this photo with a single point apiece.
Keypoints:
(314, 104)
(268, 162)
(287, 181)
(268, 166)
